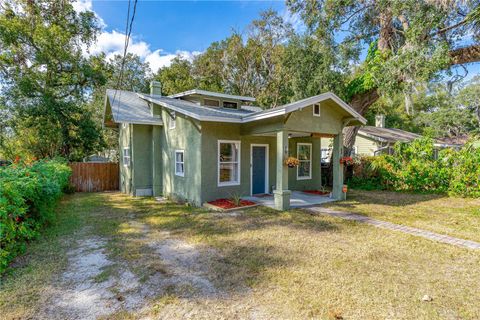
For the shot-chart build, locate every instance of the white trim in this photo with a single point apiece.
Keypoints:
(232, 183)
(180, 174)
(310, 171)
(278, 111)
(319, 110)
(211, 94)
(267, 165)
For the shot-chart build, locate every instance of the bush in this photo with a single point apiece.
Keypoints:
(416, 167)
(28, 195)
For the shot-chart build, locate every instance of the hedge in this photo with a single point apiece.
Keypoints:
(417, 166)
(28, 195)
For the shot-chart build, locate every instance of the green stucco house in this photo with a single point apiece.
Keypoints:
(200, 146)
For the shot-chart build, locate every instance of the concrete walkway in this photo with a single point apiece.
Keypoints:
(397, 227)
(298, 199)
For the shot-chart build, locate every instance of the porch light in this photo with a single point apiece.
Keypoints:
(289, 135)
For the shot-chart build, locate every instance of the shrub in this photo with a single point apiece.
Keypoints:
(416, 167)
(28, 194)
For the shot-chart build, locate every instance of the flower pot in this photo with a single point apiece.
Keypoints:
(291, 166)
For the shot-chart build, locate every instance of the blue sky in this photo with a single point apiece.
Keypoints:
(164, 29)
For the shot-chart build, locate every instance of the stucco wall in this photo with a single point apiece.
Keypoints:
(141, 157)
(211, 133)
(185, 136)
(305, 184)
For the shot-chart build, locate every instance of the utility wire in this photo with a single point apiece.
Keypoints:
(128, 32)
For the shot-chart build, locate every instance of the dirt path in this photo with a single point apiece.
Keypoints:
(95, 285)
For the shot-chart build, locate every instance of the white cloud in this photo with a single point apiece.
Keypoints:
(87, 5)
(112, 43)
(294, 19)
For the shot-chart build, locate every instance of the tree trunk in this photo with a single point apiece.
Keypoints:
(360, 103)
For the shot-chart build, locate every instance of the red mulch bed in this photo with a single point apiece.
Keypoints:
(228, 204)
(317, 192)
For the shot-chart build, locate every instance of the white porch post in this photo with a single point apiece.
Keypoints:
(281, 192)
(337, 166)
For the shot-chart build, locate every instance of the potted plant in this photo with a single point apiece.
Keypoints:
(292, 162)
(346, 160)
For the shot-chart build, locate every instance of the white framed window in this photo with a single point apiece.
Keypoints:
(179, 163)
(126, 157)
(230, 105)
(325, 155)
(211, 103)
(228, 163)
(316, 110)
(172, 120)
(304, 155)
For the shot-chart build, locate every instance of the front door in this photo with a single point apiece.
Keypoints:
(259, 169)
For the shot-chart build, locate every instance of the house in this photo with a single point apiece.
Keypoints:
(374, 140)
(201, 146)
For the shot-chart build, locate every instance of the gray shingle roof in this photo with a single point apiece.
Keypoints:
(127, 107)
(195, 110)
(388, 134)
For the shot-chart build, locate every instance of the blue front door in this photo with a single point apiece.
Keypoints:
(259, 169)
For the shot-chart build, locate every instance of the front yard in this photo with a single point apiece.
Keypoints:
(113, 256)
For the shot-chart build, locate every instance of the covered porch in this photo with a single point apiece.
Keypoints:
(297, 132)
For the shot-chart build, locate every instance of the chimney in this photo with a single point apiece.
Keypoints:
(155, 88)
(380, 121)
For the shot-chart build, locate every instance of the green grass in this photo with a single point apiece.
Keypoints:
(267, 264)
(453, 216)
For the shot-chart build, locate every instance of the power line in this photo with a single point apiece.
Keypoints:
(128, 32)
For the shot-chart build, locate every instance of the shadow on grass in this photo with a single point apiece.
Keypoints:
(387, 198)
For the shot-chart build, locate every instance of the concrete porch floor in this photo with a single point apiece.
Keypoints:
(298, 199)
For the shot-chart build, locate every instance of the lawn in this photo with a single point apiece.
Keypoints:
(165, 260)
(457, 217)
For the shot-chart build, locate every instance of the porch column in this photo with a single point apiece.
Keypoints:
(337, 166)
(281, 192)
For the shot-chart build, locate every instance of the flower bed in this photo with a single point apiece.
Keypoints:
(227, 204)
(317, 192)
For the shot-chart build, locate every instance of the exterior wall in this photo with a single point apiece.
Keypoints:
(306, 184)
(365, 146)
(124, 141)
(211, 133)
(201, 99)
(185, 136)
(330, 120)
(142, 159)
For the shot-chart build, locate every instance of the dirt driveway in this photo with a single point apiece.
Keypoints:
(111, 256)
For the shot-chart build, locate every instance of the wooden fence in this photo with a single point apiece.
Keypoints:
(94, 177)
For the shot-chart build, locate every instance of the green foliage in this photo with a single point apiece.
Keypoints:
(28, 194)
(416, 166)
(46, 78)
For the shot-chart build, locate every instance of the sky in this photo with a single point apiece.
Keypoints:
(165, 29)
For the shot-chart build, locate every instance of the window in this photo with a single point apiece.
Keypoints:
(316, 110)
(231, 105)
(353, 152)
(126, 157)
(325, 155)
(211, 103)
(172, 120)
(304, 155)
(228, 163)
(179, 163)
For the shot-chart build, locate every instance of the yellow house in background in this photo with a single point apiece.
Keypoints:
(375, 140)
